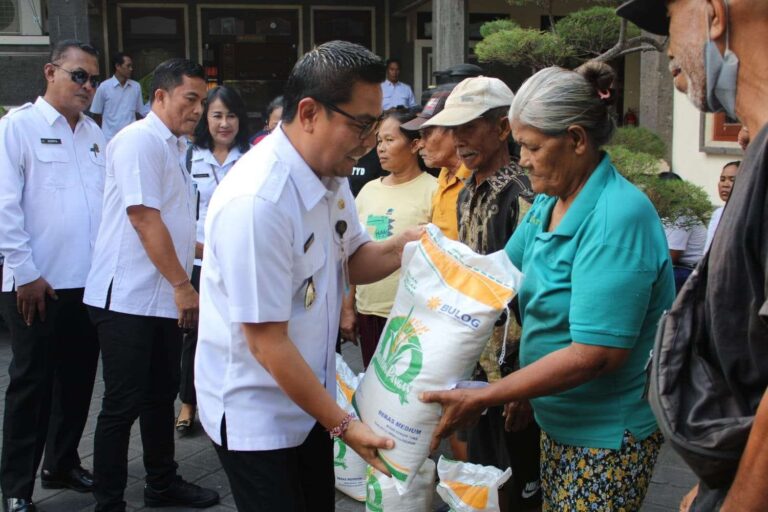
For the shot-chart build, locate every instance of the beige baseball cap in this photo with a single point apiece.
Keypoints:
(472, 98)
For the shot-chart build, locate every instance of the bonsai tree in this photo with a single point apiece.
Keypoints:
(637, 154)
(592, 33)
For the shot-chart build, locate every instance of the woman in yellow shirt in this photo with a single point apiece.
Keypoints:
(386, 207)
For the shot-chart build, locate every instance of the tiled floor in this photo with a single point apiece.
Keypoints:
(198, 463)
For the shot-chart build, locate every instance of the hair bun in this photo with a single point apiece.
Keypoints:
(601, 77)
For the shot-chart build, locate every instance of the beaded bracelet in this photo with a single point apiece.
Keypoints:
(340, 429)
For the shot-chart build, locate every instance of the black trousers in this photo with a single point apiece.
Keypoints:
(140, 360)
(49, 394)
(296, 479)
(187, 392)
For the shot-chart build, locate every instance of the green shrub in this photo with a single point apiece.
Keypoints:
(146, 83)
(491, 27)
(675, 201)
(640, 140)
(3, 111)
(524, 47)
(592, 31)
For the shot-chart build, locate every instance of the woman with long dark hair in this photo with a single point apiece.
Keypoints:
(221, 138)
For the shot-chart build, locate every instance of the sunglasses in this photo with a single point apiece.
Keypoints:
(80, 77)
(366, 127)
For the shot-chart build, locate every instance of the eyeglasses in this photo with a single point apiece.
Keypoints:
(80, 77)
(366, 127)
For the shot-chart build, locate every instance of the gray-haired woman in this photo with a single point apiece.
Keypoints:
(598, 277)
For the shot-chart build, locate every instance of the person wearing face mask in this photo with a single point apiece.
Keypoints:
(387, 207)
(51, 184)
(724, 189)
(717, 57)
(221, 138)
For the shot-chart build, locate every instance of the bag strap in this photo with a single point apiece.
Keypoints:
(188, 159)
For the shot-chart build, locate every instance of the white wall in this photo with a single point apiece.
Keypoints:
(695, 166)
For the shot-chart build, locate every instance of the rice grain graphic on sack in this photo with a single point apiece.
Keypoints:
(447, 302)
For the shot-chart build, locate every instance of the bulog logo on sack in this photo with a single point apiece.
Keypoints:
(340, 448)
(399, 344)
(373, 495)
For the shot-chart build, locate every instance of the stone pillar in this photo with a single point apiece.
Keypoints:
(68, 19)
(656, 95)
(449, 32)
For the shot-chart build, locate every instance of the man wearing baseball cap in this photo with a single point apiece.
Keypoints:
(437, 149)
(493, 201)
(718, 58)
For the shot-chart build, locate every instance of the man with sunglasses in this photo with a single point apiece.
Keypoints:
(51, 184)
(284, 242)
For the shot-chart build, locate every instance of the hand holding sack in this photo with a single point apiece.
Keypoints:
(447, 302)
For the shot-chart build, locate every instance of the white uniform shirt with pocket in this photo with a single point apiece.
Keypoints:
(51, 185)
(145, 166)
(270, 234)
(208, 173)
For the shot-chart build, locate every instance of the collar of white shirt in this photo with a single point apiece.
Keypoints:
(50, 113)
(311, 188)
(116, 83)
(158, 126)
(207, 157)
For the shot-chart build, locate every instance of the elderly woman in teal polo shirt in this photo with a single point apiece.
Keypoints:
(597, 279)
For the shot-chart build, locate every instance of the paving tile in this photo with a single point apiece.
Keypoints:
(198, 463)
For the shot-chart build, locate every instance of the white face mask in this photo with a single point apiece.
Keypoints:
(722, 73)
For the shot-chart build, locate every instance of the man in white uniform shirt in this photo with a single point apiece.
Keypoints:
(278, 233)
(394, 92)
(118, 100)
(139, 294)
(51, 183)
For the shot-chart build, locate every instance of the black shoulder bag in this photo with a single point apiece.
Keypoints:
(696, 410)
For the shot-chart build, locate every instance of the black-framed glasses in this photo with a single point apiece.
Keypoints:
(366, 127)
(80, 76)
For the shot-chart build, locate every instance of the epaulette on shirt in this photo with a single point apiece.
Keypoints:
(274, 182)
(14, 110)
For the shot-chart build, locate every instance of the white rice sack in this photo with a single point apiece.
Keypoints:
(348, 467)
(446, 305)
(383, 495)
(469, 487)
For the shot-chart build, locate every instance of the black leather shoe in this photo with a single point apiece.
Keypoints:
(180, 494)
(77, 479)
(18, 505)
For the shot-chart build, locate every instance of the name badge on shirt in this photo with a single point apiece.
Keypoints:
(203, 175)
(50, 141)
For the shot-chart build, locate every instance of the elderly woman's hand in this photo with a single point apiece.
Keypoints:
(461, 408)
(517, 415)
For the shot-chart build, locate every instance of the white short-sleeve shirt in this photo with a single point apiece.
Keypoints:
(51, 185)
(271, 229)
(396, 94)
(117, 104)
(145, 166)
(208, 173)
(688, 236)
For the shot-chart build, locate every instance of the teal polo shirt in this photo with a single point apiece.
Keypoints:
(602, 277)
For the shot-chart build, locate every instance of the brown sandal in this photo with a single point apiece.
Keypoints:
(184, 427)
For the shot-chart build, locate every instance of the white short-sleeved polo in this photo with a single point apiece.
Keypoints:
(270, 231)
(688, 236)
(117, 104)
(51, 186)
(144, 167)
(208, 173)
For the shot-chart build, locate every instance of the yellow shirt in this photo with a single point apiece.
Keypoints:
(444, 202)
(386, 211)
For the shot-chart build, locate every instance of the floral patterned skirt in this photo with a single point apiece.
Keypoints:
(574, 478)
